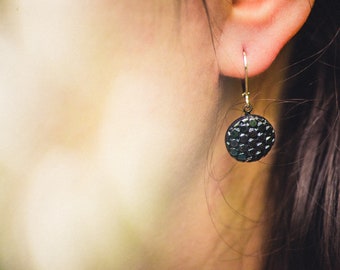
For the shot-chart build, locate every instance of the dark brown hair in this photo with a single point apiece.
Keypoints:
(305, 184)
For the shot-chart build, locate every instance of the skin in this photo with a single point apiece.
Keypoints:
(112, 143)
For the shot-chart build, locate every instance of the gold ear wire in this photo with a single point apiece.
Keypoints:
(247, 107)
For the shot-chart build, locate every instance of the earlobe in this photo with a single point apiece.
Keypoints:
(261, 28)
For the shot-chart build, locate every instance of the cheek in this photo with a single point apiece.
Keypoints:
(153, 134)
(101, 72)
(127, 114)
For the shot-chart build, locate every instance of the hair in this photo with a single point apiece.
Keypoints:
(305, 180)
(304, 190)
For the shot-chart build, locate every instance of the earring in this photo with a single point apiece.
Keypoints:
(250, 137)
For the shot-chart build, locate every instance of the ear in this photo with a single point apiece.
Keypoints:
(260, 28)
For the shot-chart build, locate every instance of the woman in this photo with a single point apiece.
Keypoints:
(113, 120)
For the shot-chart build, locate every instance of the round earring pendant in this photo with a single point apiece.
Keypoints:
(249, 138)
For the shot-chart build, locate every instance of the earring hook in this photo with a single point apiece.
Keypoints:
(247, 107)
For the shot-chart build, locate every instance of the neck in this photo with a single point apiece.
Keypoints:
(226, 229)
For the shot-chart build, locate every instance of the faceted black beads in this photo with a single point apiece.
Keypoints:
(249, 138)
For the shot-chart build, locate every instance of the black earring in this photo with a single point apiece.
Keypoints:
(250, 137)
